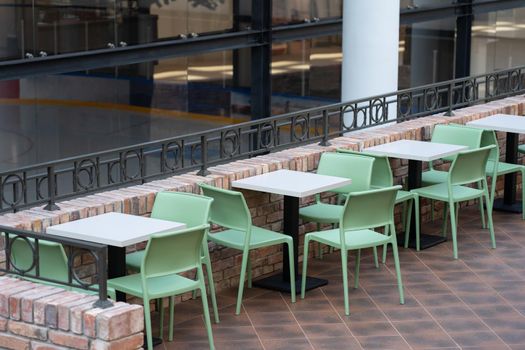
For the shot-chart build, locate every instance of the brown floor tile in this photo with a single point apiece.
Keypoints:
(326, 330)
(458, 325)
(272, 318)
(476, 338)
(383, 343)
(348, 343)
(280, 332)
(429, 340)
(317, 317)
(287, 344)
(364, 329)
(451, 312)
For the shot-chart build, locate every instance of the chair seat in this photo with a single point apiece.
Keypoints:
(432, 177)
(260, 237)
(353, 239)
(440, 192)
(503, 168)
(322, 213)
(158, 287)
(403, 196)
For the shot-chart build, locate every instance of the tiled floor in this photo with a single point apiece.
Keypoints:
(476, 302)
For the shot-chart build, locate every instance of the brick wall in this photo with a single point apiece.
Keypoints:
(33, 316)
(266, 209)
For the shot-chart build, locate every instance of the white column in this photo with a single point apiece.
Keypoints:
(370, 49)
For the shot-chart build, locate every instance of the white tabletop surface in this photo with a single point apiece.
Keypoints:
(291, 183)
(116, 229)
(416, 150)
(501, 122)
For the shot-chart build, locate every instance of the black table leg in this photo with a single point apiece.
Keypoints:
(509, 203)
(415, 170)
(281, 281)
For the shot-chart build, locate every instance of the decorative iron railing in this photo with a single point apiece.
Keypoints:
(46, 258)
(57, 180)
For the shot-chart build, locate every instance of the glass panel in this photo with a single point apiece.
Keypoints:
(498, 40)
(155, 20)
(326, 8)
(427, 52)
(210, 16)
(62, 27)
(290, 11)
(15, 20)
(306, 73)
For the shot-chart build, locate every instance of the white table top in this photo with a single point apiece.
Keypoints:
(291, 183)
(501, 122)
(416, 150)
(115, 229)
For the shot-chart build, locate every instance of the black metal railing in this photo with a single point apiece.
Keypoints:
(57, 180)
(50, 259)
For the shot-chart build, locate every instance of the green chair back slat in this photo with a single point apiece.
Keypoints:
(454, 135)
(469, 166)
(229, 209)
(192, 209)
(366, 209)
(52, 258)
(489, 138)
(381, 171)
(355, 167)
(185, 246)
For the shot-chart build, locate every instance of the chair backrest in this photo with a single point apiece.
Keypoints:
(350, 166)
(52, 258)
(381, 171)
(469, 166)
(489, 138)
(191, 209)
(457, 135)
(173, 252)
(229, 209)
(368, 209)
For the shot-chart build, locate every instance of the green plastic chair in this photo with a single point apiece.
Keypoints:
(53, 264)
(497, 168)
(191, 209)
(230, 211)
(521, 148)
(362, 213)
(160, 277)
(467, 168)
(383, 177)
(356, 167)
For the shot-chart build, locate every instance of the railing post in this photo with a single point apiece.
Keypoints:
(51, 188)
(204, 157)
(326, 131)
(102, 272)
(449, 113)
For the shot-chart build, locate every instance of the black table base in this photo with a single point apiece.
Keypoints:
(276, 282)
(500, 205)
(425, 241)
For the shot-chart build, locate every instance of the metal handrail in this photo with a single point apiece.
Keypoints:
(139, 163)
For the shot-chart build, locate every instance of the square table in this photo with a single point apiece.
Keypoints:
(417, 152)
(512, 125)
(117, 231)
(293, 185)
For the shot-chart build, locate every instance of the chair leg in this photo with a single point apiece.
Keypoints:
(481, 210)
(416, 205)
(357, 265)
(291, 261)
(305, 265)
(453, 227)
(489, 217)
(147, 319)
(344, 265)
(249, 271)
(245, 257)
(404, 214)
(161, 322)
(398, 273)
(211, 285)
(385, 248)
(319, 245)
(376, 260)
(172, 314)
(205, 307)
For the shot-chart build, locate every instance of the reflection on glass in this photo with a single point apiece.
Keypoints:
(293, 11)
(498, 40)
(306, 73)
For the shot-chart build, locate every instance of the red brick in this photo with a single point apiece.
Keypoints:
(8, 341)
(28, 301)
(15, 301)
(120, 322)
(64, 310)
(43, 346)
(11, 288)
(27, 330)
(69, 340)
(3, 324)
(132, 342)
(39, 306)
